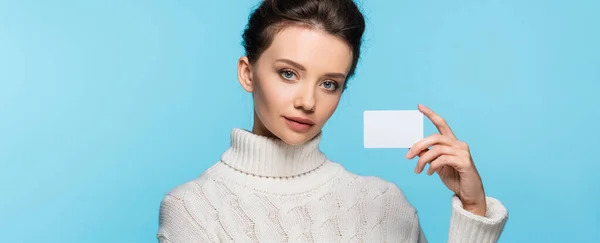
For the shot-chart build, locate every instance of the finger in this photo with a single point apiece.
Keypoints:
(435, 139)
(432, 155)
(423, 152)
(437, 120)
(440, 162)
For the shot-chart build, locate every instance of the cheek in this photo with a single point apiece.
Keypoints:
(273, 96)
(327, 106)
(279, 96)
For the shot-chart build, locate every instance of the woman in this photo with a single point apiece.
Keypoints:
(274, 185)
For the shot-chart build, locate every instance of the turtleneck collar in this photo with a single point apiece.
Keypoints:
(270, 157)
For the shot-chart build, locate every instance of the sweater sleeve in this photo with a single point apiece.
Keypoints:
(422, 238)
(176, 225)
(466, 227)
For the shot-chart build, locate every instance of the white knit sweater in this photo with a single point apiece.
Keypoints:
(263, 190)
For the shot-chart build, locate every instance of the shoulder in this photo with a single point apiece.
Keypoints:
(183, 213)
(189, 186)
(190, 199)
(189, 192)
(189, 203)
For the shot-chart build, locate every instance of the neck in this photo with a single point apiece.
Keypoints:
(259, 128)
(265, 156)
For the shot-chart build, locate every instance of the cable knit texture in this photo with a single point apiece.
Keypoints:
(263, 190)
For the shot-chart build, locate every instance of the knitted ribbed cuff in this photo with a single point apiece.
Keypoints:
(467, 227)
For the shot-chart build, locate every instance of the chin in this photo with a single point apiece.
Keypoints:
(294, 138)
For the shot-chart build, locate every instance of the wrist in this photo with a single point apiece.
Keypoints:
(476, 208)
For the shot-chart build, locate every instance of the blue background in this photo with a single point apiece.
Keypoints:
(107, 105)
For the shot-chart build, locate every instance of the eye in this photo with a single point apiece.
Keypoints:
(287, 74)
(330, 85)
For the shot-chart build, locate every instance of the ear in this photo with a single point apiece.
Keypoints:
(245, 74)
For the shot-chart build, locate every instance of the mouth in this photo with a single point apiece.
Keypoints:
(300, 120)
(299, 124)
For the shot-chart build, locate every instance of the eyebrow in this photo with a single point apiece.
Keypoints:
(299, 66)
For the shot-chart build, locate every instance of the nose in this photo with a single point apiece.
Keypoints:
(305, 99)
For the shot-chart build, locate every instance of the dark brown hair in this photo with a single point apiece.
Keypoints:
(341, 18)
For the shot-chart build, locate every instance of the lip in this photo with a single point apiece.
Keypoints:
(301, 120)
(298, 124)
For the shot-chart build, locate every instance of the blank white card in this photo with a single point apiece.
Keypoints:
(392, 128)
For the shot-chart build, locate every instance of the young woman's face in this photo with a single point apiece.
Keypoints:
(296, 83)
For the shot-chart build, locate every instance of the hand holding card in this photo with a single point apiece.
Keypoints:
(449, 157)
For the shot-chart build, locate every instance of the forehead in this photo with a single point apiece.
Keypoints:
(313, 48)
